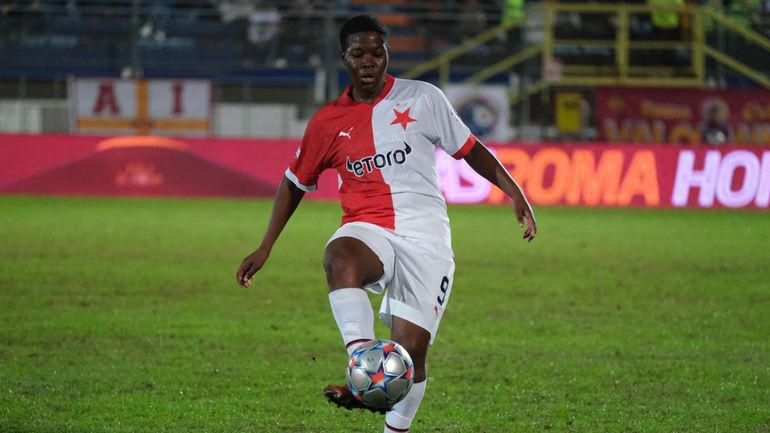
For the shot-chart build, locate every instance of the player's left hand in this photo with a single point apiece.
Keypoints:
(525, 217)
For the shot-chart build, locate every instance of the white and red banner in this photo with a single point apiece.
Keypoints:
(570, 175)
(164, 107)
(682, 116)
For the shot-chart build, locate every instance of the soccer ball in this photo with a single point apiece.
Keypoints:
(380, 373)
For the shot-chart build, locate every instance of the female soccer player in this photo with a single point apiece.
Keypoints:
(380, 136)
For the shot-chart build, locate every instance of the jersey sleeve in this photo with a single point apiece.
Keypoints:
(452, 134)
(310, 160)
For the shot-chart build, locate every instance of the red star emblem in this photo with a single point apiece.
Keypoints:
(402, 118)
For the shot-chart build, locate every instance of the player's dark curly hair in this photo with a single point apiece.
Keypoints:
(358, 24)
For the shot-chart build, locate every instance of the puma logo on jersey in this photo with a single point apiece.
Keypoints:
(378, 161)
(346, 134)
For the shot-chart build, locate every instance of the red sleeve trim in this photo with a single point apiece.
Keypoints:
(466, 148)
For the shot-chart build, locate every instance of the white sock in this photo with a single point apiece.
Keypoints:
(353, 312)
(400, 417)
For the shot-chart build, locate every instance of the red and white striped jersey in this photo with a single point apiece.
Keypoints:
(385, 156)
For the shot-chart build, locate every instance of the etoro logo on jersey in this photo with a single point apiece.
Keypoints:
(378, 161)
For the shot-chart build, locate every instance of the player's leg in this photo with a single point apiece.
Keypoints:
(416, 341)
(413, 308)
(351, 265)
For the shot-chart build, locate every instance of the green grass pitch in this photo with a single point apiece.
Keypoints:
(123, 315)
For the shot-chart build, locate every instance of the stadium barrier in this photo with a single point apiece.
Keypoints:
(565, 174)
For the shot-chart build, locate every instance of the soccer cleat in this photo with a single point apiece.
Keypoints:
(342, 397)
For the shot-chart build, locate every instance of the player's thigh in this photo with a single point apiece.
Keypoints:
(358, 255)
(349, 262)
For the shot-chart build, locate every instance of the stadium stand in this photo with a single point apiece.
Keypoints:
(278, 51)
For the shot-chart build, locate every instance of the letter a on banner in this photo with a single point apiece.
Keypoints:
(106, 99)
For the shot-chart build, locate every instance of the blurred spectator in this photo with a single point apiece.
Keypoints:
(715, 128)
(512, 10)
(665, 23)
(262, 33)
(234, 10)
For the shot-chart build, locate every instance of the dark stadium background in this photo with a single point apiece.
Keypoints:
(141, 143)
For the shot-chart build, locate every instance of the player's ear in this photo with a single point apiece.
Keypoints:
(342, 56)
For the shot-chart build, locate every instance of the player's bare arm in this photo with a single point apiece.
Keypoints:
(286, 201)
(489, 167)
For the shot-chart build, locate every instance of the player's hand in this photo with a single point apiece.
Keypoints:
(250, 265)
(525, 217)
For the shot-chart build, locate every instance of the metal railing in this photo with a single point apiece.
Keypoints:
(618, 69)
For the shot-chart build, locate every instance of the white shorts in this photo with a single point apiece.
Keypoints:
(417, 274)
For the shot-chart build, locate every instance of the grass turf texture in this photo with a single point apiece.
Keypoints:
(122, 315)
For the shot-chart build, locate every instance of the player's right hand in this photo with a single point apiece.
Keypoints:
(250, 265)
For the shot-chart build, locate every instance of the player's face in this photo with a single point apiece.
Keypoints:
(366, 59)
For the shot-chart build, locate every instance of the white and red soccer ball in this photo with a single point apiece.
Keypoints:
(380, 373)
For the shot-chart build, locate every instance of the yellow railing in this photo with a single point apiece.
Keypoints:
(621, 71)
